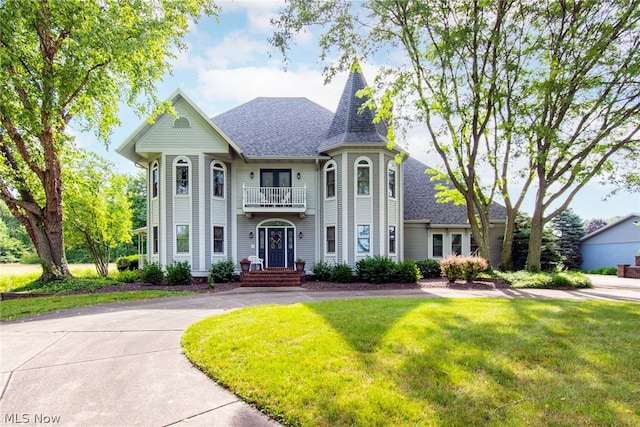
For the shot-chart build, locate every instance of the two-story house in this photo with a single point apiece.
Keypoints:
(284, 178)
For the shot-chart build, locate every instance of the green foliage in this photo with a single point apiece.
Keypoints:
(545, 280)
(376, 269)
(30, 259)
(72, 284)
(457, 267)
(605, 271)
(152, 273)
(11, 249)
(429, 268)
(179, 273)
(321, 271)
(407, 272)
(129, 276)
(342, 273)
(549, 257)
(569, 228)
(129, 262)
(221, 272)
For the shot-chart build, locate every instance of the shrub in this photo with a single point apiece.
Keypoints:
(321, 271)
(221, 272)
(123, 263)
(377, 269)
(129, 262)
(129, 276)
(30, 259)
(472, 266)
(152, 273)
(179, 273)
(606, 271)
(565, 279)
(407, 272)
(429, 268)
(451, 268)
(342, 273)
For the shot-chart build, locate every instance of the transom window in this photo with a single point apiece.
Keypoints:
(182, 177)
(363, 177)
(218, 179)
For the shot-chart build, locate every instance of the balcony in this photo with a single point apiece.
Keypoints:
(274, 199)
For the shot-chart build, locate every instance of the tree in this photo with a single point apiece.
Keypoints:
(549, 258)
(533, 93)
(137, 196)
(569, 229)
(73, 60)
(97, 212)
(594, 224)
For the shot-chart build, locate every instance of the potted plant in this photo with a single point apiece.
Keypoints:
(245, 265)
(300, 264)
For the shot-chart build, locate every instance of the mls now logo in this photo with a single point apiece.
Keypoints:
(16, 418)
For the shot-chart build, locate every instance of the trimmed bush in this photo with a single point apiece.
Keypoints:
(457, 267)
(152, 273)
(605, 271)
(221, 272)
(407, 272)
(321, 271)
(376, 269)
(429, 268)
(179, 273)
(129, 262)
(129, 276)
(342, 273)
(563, 279)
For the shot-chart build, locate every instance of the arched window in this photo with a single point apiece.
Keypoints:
(181, 122)
(363, 177)
(391, 179)
(217, 178)
(154, 180)
(330, 179)
(182, 176)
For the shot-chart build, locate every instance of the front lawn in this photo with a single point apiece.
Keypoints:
(12, 309)
(445, 362)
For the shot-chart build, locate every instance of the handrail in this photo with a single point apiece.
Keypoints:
(274, 197)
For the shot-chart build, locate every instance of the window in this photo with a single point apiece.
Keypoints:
(331, 239)
(456, 244)
(182, 239)
(473, 246)
(182, 177)
(218, 240)
(330, 178)
(392, 179)
(363, 172)
(218, 179)
(392, 239)
(154, 180)
(436, 239)
(364, 239)
(275, 178)
(181, 122)
(155, 239)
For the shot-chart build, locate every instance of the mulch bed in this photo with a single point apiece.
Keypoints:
(203, 287)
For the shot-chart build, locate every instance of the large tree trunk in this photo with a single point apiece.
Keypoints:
(535, 239)
(507, 240)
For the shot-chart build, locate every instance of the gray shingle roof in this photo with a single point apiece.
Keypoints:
(276, 127)
(420, 199)
(351, 126)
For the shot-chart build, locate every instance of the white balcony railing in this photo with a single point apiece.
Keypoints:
(274, 199)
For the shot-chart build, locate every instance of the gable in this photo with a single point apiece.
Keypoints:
(171, 136)
(624, 230)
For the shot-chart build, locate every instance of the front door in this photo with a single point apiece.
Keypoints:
(277, 247)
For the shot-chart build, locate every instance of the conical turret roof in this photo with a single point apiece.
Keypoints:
(350, 125)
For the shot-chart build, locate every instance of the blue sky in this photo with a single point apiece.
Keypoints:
(228, 62)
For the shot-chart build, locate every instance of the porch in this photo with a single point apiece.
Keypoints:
(274, 199)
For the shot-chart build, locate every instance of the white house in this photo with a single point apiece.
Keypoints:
(284, 178)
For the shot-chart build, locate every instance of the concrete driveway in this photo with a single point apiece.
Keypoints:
(121, 364)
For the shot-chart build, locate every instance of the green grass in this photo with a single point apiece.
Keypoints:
(444, 362)
(11, 309)
(545, 280)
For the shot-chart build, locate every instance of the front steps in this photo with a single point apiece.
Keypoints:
(271, 277)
